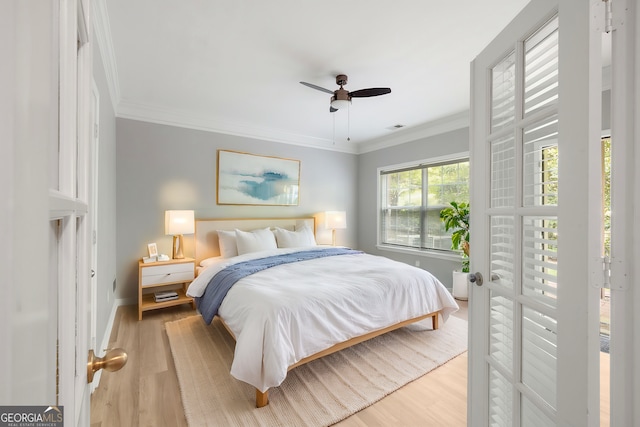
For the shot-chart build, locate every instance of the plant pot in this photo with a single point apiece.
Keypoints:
(460, 286)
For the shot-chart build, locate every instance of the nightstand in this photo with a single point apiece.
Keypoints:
(154, 276)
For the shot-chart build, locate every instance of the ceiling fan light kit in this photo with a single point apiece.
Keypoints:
(338, 103)
(342, 98)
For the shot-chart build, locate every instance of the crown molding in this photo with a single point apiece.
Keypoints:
(432, 128)
(104, 41)
(185, 119)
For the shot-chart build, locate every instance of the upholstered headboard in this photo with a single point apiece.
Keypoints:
(206, 236)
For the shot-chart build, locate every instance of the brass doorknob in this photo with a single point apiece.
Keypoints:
(112, 361)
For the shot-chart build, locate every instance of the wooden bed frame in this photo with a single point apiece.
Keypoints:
(206, 246)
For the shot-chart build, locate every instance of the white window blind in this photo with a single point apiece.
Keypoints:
(411, 198)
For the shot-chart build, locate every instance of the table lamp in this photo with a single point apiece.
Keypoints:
(177, 223)
(334, 220)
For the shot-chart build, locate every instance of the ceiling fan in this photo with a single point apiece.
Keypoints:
(341, 97)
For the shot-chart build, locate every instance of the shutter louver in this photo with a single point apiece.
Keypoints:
(503, 172)
(500, 400)
(503, 96)
(541, 69)
(539, 350)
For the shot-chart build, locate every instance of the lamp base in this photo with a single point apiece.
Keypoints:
(177, 247)
(333, 237)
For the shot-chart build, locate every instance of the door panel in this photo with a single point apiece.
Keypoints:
(524, 320)
(28, 102)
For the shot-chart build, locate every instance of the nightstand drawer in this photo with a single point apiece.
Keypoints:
(172, 273)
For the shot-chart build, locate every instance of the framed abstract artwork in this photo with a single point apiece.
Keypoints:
(249, 179)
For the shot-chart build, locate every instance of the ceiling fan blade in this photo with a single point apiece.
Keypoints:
(332, 110)
(374, 91)
(312, 86)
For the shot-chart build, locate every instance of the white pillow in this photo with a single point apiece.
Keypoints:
(255, 241)
(211, 261)
(294, 239)
(227, 243)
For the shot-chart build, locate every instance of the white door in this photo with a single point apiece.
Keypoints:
(44, 74)
(535, 130)
(28, 130)
(82, 192)
(69, 203)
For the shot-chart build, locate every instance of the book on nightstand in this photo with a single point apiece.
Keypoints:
(165, 296)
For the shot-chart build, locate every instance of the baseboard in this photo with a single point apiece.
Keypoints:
(107, 336)
(127, 301)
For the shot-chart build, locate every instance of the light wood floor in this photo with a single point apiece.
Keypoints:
(146, 392)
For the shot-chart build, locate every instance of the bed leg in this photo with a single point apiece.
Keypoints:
(262, 399)
(435, 321)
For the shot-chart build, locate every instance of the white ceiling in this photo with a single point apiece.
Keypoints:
(234, 66)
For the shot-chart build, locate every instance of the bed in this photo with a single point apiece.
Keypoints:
(287, 301)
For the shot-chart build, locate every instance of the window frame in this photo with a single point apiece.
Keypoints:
(449, 255)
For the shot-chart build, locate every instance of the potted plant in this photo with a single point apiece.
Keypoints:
(456, 218)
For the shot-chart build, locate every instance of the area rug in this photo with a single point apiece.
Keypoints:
(319, 393)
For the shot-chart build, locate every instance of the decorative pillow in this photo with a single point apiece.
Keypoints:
(227, 242)
(254, 241)
(294, 239)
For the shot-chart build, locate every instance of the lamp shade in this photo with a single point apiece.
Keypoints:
(179, 222)
(335, 219)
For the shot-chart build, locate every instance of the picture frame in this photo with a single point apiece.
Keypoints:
(153, 250)
(251, 179)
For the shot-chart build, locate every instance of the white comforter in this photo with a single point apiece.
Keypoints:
(286, 313)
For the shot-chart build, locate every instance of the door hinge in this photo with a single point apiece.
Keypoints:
(601, 273)
(617, 281)
(95, 130)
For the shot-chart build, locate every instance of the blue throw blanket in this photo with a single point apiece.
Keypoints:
(219, 285)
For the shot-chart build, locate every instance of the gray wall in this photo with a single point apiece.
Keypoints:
(165, 167)
(435, 146)
(106, 242)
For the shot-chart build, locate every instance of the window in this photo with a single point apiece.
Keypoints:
(411, 198)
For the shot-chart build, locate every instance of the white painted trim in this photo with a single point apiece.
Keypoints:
(579, 225)
(127, 301)
(104, 343)
(83, 166)
(186, 119)
(447, 256)
(625, 199)
(94, 236)
(189, 120)
(67, 308)
(435, 127)
(425, 162)
(104, 41)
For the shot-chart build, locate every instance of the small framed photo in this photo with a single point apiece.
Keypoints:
(153, 250)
